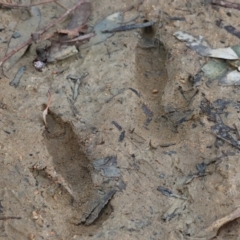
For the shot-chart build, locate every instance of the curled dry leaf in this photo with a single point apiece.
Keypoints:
(45, 112)
(37, 36)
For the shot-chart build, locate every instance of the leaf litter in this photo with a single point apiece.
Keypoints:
(215, 68)
(64, 42)
(110, 22)
(30, 25)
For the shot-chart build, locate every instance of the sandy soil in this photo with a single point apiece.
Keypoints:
(167, 176)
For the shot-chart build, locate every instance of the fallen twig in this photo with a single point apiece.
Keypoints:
(6, 57)
(7, 218)
(80, 38)
(36, 36)
(129, 27)
(226, 4)
(73, 32)
(237, 131)
(45, 112)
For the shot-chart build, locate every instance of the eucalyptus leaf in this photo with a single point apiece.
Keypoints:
(199, 45)
(110, 22)
(214, 69)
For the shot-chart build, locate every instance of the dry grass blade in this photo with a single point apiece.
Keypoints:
(45, 112)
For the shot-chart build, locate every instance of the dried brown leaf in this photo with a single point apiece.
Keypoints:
(78, 21)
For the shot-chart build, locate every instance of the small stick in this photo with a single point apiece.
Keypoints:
(129, 27)
(25, 6)
(36, 36)
(81, 38)
(237, 131)
(72, 32)
(6, 218)
(226, 4)
(29, 41)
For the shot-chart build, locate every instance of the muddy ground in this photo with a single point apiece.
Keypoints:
(137, 141)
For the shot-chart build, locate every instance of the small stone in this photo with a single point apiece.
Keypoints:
(154, 91)
(31, 236)
(39, 65)
(16, 35)
(35, 215)
(36, 192)
(40, 222)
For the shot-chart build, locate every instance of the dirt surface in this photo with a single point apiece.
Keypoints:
(135, 150)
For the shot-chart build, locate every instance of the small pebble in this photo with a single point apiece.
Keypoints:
(31, 236)
(39, 65)
(155, 91)
(34, 215)
(16, 35)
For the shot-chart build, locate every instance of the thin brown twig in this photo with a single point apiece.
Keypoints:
(81, 38)
(226, 4)
(6, 57)
(73, 32)
(10, 217)
(24, 6)
(36, 36)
